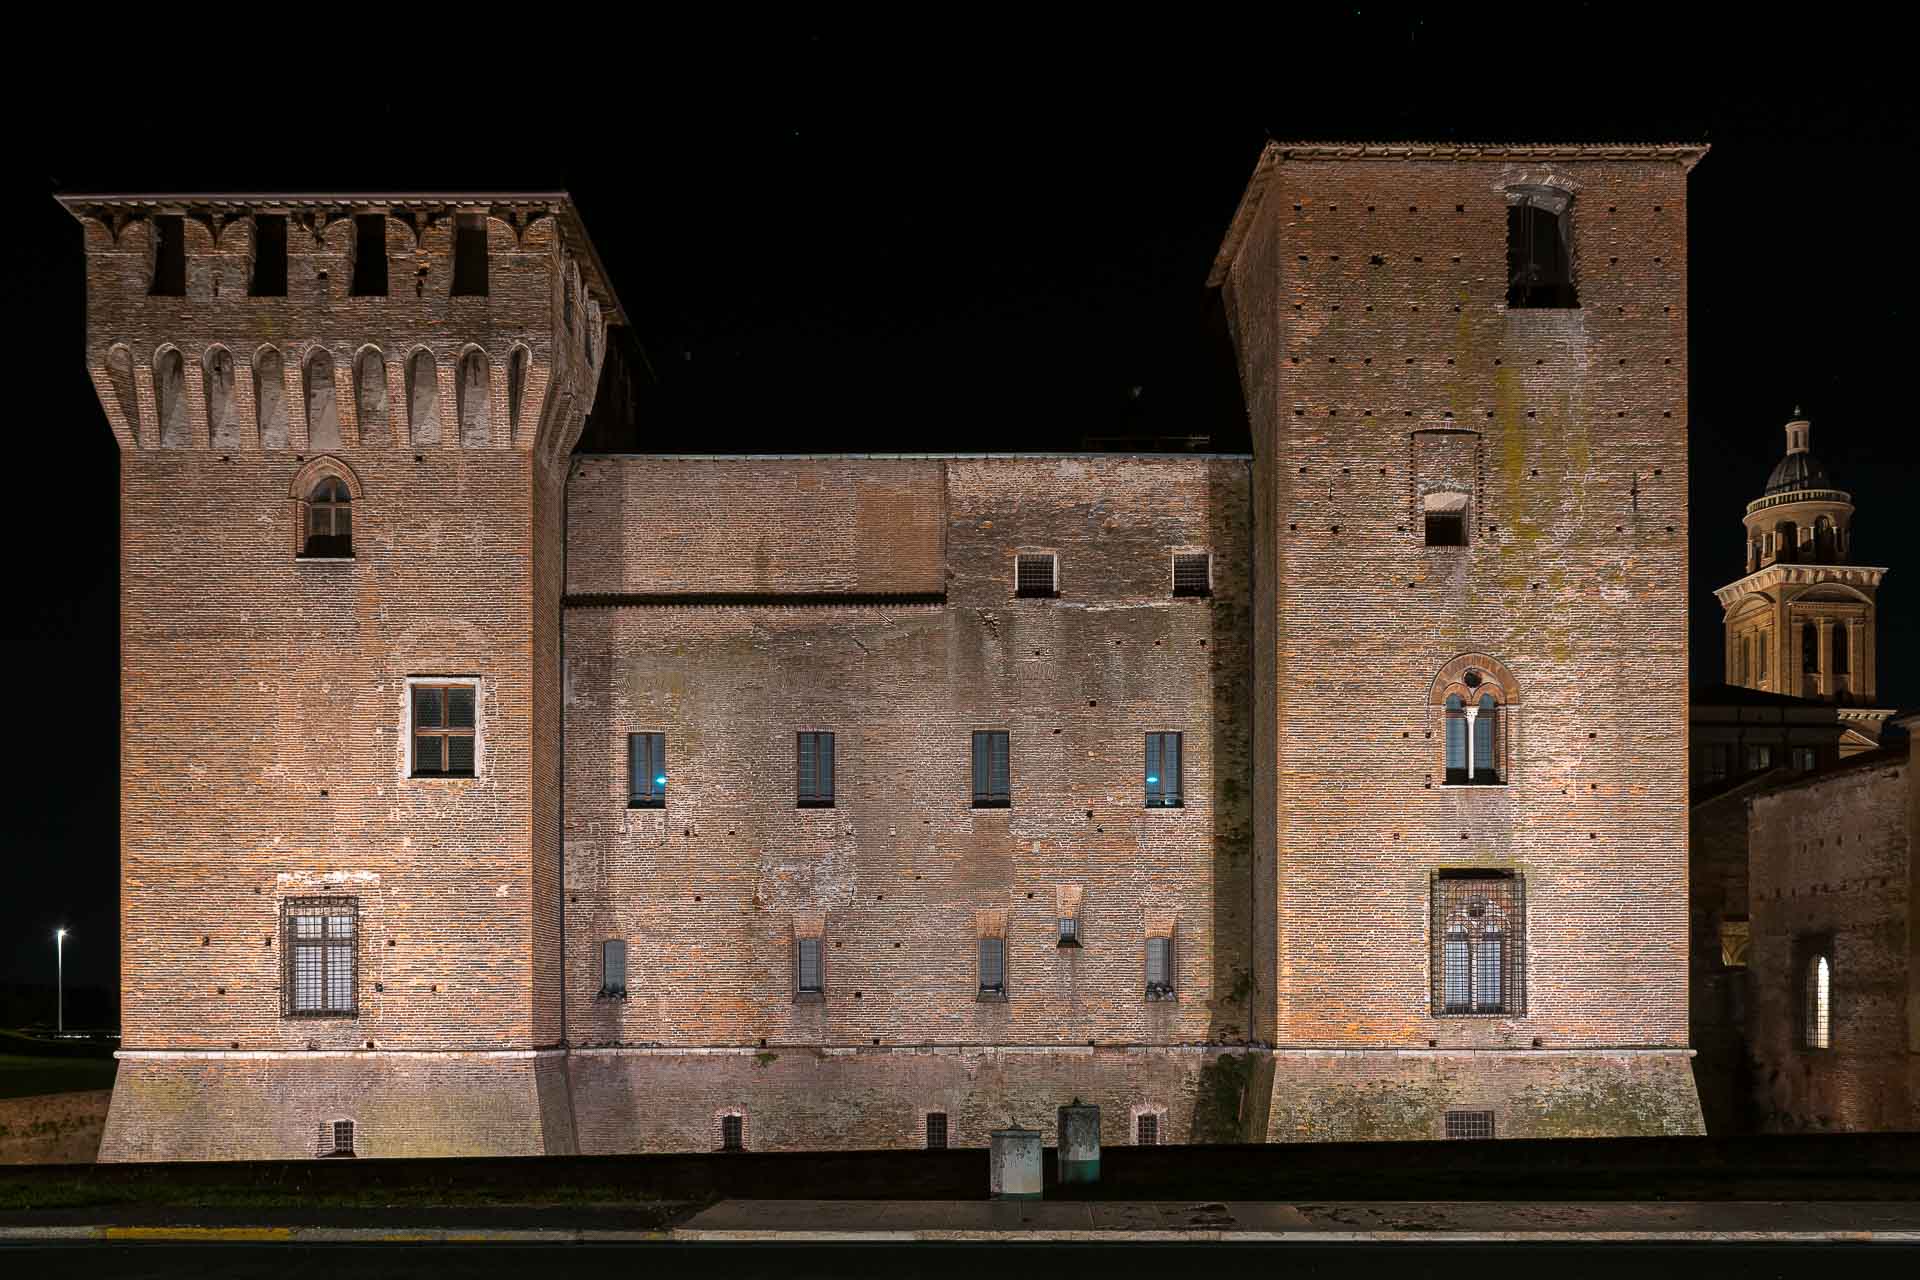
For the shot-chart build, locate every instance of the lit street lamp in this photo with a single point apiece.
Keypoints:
(60, 970)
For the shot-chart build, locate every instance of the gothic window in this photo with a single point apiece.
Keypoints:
(1473, 740)
(1479, 939)
(1540, 248)
(318, 948)
(1473, 698)
(329, 521)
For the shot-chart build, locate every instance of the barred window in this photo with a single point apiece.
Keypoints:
(992, 786)
(443, 730)
(329, 521)
(936, 1131)
(1192, 573)
(733, 1133)
(1819, 1015)
(1479, 943)
(1160, 968)
(1069, 931)
(1147, 1129)
(320, 955)
(993, 968)
(809, 982)
(613, 969)
(813, 768)
(336, 1138)
(646, 771)
(1036, 576)
(1469, 1124)
(1163, 770)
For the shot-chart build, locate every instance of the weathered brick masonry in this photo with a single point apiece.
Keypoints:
(729, 604)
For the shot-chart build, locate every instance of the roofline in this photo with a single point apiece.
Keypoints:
(570, 220)
(1688, 154)
(909, 457)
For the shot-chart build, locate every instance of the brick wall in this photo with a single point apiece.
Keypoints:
(1832, 868)
(1369, 303)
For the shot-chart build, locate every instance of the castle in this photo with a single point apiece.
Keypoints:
(481, 794)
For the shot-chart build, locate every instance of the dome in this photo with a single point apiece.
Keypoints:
(1798, 471)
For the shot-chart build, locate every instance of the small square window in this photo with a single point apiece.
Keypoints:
(646, 771)
(1036, 575)
(936, 1131)
(1469, 1124)
(1192, 573)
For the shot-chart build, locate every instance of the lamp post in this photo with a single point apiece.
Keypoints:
(60, 971)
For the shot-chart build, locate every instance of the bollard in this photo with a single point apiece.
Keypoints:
(1079, 1142)
(1015, 1164)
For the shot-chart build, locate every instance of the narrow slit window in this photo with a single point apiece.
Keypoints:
(809, 980)
(1036, 576)
(1819, 1016)
(1163, 770)
(993, 968)
(1192, 574)
(444, 730)
(813, 770)
(936, 1131)
(992, 781)
(1160, 968)
(1469, 1124)
(268, 279)
(613, 969)
(169, 256)
(370, 255)
(646, 771)
(470, 255)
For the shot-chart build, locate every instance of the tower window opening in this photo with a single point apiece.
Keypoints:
(1540, 249)
(169, 256)
(470, 256)
(1446, 519)
(1809, 648)
(268, 278)
(370, 255)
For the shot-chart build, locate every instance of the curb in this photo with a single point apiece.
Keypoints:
(684, 1235)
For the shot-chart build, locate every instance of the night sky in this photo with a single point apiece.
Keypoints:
(825, 244)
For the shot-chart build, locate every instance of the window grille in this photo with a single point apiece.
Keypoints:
(443, 730)
(1163, 770)
(1819, 1016)
(1147, 1130)
(992, 788)
(1479, 943)
(613, 969)
(1469, 1124)
(319, 952)
(1069, 931)
(733, 1133)
(329, 520)
(1035, 576)
(813, 768)
(1540, 249)
(808, 979)
(1192, 573)
(993, 967)
(470, 255)
(646, 770)
(936, 1131)
(336, 1138)
(1160, 968)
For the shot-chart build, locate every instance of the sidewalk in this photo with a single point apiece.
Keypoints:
(958, 1221)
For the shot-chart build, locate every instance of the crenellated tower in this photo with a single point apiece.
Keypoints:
(345, 425)
(1801, 620)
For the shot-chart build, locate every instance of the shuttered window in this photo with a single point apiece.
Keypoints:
(443, 730)
(992, 786)
(613, 969)
(808, 980)
(813, 768)
(1160, 968)
(993, 967)
(646, 770)
(1163, 770)
(320, 952)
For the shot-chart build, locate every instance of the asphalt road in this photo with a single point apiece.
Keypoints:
(902, 1262)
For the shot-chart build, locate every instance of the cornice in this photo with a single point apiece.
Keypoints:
(1800, 575)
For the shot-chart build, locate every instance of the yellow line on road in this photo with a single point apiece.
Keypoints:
(199, 1233)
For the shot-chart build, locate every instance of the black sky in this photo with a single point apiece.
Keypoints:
(830, 241)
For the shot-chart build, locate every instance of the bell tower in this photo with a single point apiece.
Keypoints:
(1801, 621)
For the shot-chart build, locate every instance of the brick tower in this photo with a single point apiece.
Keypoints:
(345, 424)
(1801, 621)
(1466, 373)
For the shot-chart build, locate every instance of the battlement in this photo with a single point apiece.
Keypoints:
(319, 323)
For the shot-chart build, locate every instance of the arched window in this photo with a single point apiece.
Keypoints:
(1819, 1015)
(1540, 248)
(1823, 539)
(1472, 694)
(170, 389)
(1456, 739)
(516, 387)
(1479, 927)
(329, 512)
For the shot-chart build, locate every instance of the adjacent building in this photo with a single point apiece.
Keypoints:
(481, 794)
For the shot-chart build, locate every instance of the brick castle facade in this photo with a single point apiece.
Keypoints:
(484, 794)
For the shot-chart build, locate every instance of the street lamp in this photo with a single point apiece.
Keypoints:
(60, 970)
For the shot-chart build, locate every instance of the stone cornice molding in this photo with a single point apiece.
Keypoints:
(1865, 577)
